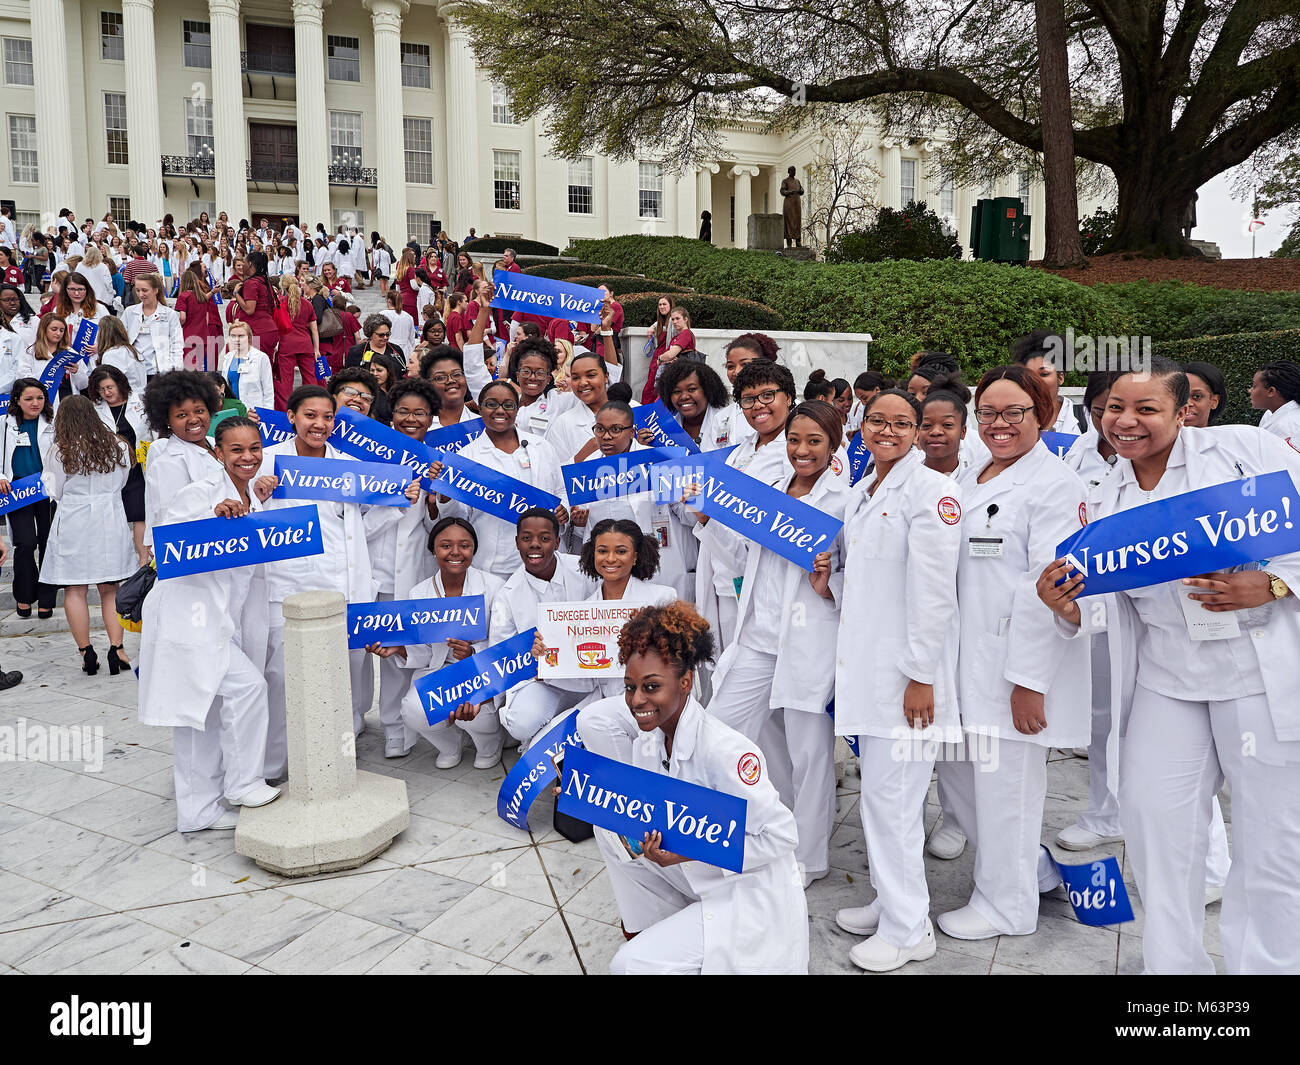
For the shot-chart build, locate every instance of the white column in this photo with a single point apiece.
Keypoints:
(313, 122)
(963, 199)
(924, 155)
(144, 145)
(743, 176)
(703, 193)
(228, 109)
(1037, 208)
(463, 178)
(54, 115)
(688, 214)
(891, 174)
(386, 19)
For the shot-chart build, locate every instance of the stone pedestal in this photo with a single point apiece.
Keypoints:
(766, 232)
(803, 255)
(1208, 248)
(333, 817)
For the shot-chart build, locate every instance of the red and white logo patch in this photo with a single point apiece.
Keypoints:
(749, 768)
(837, 467)
(949, 510)
(1083, 513)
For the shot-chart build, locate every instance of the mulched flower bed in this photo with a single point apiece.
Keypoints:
(1263, 275)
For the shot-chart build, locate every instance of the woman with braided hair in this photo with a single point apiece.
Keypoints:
(1276, 391)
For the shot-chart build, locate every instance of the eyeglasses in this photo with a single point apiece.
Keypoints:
(407, 412)
(1010, 415)
(608, 431)
(535, 375)
(509, 406)
(900, 425)
(447, 378)
(381, 336)
(356, 393)
(764, 399)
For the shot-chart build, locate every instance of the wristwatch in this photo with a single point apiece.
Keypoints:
(1277, 586)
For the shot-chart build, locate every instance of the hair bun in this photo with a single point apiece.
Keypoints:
(817, 375)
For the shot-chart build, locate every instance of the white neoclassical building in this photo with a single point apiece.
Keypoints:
(369, 112)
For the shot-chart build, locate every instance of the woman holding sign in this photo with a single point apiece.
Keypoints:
(571, 432)
(26, 437)
(531, 367)
(755, 921)
(179, 406)
(212, 692)
(77, 304)
(896, 669)
(1204, 687)
(1021, 685)
(696, 396)
(444, 368)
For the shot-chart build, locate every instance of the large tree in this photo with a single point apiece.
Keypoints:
(1164, 94)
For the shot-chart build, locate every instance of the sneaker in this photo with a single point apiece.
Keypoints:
(10, 680)
(397, 748)
(966, 923)
(257, 795)
(449, 760)
(877, 956)
(946, 841)
(1078, 838)
(225, 822)
(859, 920)
(489, 758)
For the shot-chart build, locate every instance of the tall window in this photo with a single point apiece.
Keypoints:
(506, 168)
(650, 186)
(501, 114)
(22, 148)
(1023, 189)
(18, 61)
(115, 126)
(348, 216)
(197, 207)
(198, 43)
(415, 66)
(419, 225)
(120, 206)
(344, 58)
(345, 138)
(198, 126)
(947, 198)
(417, 135)
(907, 182)
(23, 219)
(111, 42)
(580, 186)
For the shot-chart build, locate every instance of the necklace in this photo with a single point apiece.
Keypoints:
(118, 414)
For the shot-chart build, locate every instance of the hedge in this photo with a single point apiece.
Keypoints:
(566, 270)
(487, 245)
(621, 284)
(707, 312)
(1238, 356)
(1177, 310)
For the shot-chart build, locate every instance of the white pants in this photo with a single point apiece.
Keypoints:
(394, 679)
(1001, 812)
(743, 701)
(226, 756)
(673, 946)
(533, 705)
(893, 820)
(484, 730)
(1175, 757)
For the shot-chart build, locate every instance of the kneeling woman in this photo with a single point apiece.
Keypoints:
(755, 921)
(453, 543)
(209, 688)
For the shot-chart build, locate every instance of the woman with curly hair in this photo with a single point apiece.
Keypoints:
(684, 916)
(179, 406)
(90, 540)
(745, 349)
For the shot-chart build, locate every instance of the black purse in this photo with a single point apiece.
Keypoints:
(132, 591)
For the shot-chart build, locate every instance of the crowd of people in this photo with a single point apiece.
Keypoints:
(939, 624)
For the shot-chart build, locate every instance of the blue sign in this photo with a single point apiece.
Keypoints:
(224, 543)
(485, 489)
(859, 458)
(1058, 443)
(766, 515)
(401, 622)
(274, 426)
(4, 404)
(1216, 528)
(668, 431)
(614, 476)
(477, 678)
(852, 741)
(695, 822)
(54, 371)
(535, 770)
(1096, 891)
(84, 339)
(364, 438)
(451, 438)
(545, 297)
(23, 493)
(323, 371)
(342, 480)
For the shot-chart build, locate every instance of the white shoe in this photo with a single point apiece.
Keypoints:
(946, 841)
(811, 878)
(450, 760)
(397, 748)
(257, 795)
(226, 821)
(488, 759)
(1078, 838)
(966, 923)
(877, 956)
(859, 920)
(1079, 752)
(1213, 893)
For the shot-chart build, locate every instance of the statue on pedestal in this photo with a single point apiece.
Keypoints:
(792, 210)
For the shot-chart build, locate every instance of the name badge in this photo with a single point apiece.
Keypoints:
(522, 455)
(1205, 624)
(23, 440)
(660, 532)
(538, 425)
(985, 547)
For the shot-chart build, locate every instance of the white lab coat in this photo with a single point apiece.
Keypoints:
(10, 438)
(170, 465)
(722, 427)
(90, 540)
(165, 329)
(182, 663)
(543, 412)
(101, 280)
(402, 329)
(570, 430)
(398, 539)
(133, 414)
(256, 388)
(131, 365)
(1085, 460)
(1284, 423)
(899, 603)
(755, 921)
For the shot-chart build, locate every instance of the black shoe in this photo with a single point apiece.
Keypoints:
(10, 680)
(22, 611)
(45, 612)
(89, 660)
(116, 663)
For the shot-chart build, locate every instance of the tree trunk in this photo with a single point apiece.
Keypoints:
(1064, 246)
(1154, 191)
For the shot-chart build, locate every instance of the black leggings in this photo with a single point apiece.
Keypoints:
(30, 527)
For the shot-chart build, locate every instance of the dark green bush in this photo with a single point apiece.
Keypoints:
(490, 245)
(915, 233)
(622, 284)
(1095, 230)
(564, 271)
(1177, 310)
(707, 312)
(1238, 355)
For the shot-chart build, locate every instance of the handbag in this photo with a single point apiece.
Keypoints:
(329, 324)
(132, 591)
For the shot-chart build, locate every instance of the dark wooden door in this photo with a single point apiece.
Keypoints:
(273, 151)
(270, 49)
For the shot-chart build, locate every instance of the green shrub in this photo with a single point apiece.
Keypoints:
(564, 271)
(1177, 310)
(490, 245)
(621, 284)
(1238, 356)
(914, 233)
(1095, 230)
(707, 312)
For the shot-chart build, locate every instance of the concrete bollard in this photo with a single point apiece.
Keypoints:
(333, 816)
